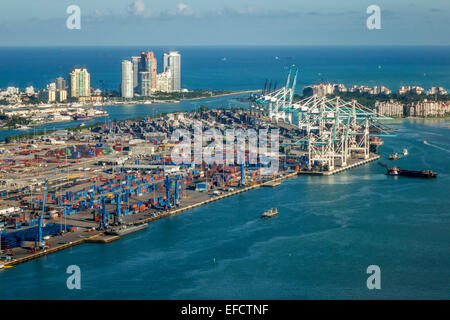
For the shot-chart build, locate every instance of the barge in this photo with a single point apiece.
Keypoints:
(411, 173)
(127, 229)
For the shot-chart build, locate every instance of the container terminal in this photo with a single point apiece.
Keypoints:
(98, 184)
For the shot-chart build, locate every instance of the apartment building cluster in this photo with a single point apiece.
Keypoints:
(140, 76)
(55, 91)
(410, 89)
(426, 108)
(370, 90)
(78, 88)
(323, 89)
(390, 108)
(436, 91)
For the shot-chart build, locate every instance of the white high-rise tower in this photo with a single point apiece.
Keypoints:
(127, 79)
(172, 63)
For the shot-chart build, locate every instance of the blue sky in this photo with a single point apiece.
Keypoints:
(218, 22)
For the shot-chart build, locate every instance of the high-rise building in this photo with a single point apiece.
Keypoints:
(149, 64)
(172, 62)
(127, 79)
(136, 62)
(164, 82)
(48, 95)
(61, 95)
(145, 79)
(79, 83)
(60, 83)
(29, 91)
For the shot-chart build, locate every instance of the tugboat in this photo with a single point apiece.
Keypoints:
(393, 156)
(411, 173)
(270, 213)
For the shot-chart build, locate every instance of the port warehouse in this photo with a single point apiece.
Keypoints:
(122, 171)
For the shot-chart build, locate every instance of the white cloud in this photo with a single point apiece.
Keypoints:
(138, 8)
(184, 9)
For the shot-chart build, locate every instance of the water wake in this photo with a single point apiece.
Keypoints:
(436, 146)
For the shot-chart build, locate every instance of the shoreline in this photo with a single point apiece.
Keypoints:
(80, 237)
(115, 103)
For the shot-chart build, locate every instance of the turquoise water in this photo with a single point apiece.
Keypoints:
(121, 112)
(329, 230)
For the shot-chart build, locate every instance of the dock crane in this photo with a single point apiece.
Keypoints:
(118, 215)
(265, 87)
(104, 223)
(40, 241)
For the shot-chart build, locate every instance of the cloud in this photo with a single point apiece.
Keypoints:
(184, 9)
(138, 8)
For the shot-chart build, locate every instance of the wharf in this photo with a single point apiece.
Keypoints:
(352, 164)
(75, 238)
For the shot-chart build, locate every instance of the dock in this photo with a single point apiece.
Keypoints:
(81, 237)
(351, 165)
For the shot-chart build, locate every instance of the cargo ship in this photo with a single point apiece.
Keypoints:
(270, 213)
(127, 229)
(411, 173)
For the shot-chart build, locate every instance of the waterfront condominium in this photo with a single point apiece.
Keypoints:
(79, 83)
(147, 72)
(172, 63)
(127, 79)
(136, 62)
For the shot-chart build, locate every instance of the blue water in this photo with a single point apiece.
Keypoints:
(329, 230)
(121, 112)
(244, 68)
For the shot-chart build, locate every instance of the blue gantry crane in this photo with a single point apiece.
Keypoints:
(40, 241)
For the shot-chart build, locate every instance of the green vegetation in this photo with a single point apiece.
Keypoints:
(12, 122)
(194, 94)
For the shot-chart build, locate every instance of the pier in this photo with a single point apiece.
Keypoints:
(85, 236)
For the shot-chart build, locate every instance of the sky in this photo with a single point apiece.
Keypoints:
(219, 22)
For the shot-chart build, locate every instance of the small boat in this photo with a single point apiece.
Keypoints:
(393, 156)
(270, 213)
(82, 124)
(405, 152)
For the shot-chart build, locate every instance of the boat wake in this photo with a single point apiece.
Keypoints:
(436, 146)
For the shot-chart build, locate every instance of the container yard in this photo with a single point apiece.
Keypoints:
(94, 186)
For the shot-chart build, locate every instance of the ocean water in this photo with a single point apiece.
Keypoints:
(329, 230)
(237, 68)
